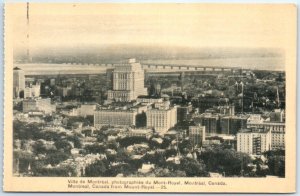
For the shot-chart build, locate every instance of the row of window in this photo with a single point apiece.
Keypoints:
(122, 76)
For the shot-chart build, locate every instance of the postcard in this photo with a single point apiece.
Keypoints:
(177, 98)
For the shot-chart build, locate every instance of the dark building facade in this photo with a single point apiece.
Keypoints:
(183, 113)
(210, 121)
(232, 124)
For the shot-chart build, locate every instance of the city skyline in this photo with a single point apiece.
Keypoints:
(149, 117)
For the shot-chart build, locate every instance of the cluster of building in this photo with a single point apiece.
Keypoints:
(129, 105)
(271, 129)
(82, 110)
(129, 93)
(38, 105)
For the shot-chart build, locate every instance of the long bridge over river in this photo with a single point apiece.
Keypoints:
(74, 68)
(175, 67)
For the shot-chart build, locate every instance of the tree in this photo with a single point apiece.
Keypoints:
(135, 164)
(193, 168)
(65, 171)
(164, 172)
(75, 139)
(22, 159)
(157, 159)
(26, 131)
(63, 145)
(101, 137)
(99, 168)
(18, 106)
(39, 148)
(51, 136)
(172, 166)
(166, 142)
(127, 141)
(218, 159)
(55, 158)
(95, 148)
(104, 128)
(122, 156)
(154, 144)
(112, 145)
(48, 118)
(277, 165)
(87, 132)
(123, 168)
(185, 146)
(276, 162)
(170, 153)
(76, 119)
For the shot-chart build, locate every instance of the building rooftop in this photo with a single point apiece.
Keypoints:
(245, 117)
(121, 107)
(209, 115)
(131, 64)
(141, 131)
(114, 110)
(254, 130)
(149, 97)
(266, 123)
(17, 68)
(162, 109)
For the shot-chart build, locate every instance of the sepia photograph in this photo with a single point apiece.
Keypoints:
(150, 97)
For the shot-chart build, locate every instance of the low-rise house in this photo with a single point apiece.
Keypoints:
(136, 157)
(158, 140)
(146, 168)
(111, 152)
(145, 133)
(75, 151)
(175, 159)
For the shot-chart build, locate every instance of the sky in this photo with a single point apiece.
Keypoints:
(185, 25)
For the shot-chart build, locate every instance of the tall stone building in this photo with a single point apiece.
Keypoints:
(210, 121)
(277, 131)
(232, 124)
(254, 141)
(32, 91)
(111, 117)
(162, 117)
(18, 83)
(197, 135)
(127, 82)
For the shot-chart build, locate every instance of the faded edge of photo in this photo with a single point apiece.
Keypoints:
(241, 185)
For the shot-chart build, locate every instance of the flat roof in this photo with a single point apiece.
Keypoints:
(149, 97)
(253, 130)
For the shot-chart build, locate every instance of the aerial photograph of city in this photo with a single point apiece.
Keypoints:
(125, 94)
